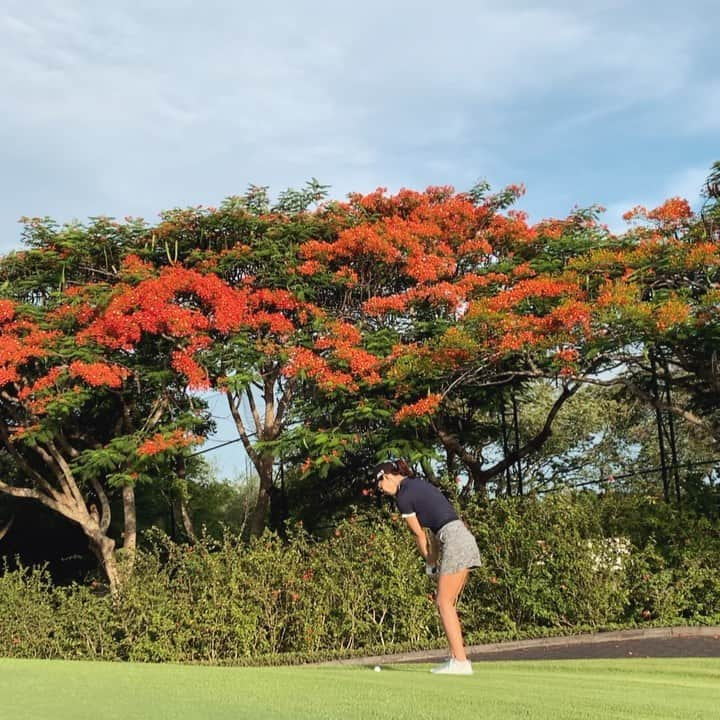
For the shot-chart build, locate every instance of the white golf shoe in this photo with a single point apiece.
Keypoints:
(454, 667)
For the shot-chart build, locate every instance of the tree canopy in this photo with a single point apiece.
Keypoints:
(412, 324)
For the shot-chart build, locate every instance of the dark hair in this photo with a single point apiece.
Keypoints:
(396, 467)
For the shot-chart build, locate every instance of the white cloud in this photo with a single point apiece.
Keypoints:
(282, 71)
(130, 107)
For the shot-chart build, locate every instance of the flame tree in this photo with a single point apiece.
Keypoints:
(338, 332)
(462, 301)
(82, 420)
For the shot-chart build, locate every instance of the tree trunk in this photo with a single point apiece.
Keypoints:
(505, 443)
(268, 426)
(258, 517)
(59, 491)
(516, 433)
(179, 502)
(130, 515)
(180, 510)
(671, 434)
(104, 549)
(279, 511)
(660, 427)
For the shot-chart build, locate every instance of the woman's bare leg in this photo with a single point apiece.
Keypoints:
(449, 588)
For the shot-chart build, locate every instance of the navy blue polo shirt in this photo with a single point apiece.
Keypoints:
(416, 496)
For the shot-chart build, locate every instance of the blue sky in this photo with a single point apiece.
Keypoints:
(129, 108)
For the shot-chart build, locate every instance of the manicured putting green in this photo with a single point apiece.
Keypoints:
(577, 690)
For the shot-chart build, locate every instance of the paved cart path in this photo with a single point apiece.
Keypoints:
(651, 642)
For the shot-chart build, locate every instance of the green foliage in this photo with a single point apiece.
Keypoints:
(544, 565)
(447, 338)
(222, 601)
(294, 201)
(548, 568)
(219, 506)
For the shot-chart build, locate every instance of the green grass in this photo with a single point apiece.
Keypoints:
(597, 689)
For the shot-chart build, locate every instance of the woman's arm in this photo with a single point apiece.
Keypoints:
(420, 536)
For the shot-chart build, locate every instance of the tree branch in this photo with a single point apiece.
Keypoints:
(32, 474)
(156, 413)
(67, 474)
(282, 408)
(535, 442)
(33, 494)
(259, 430)
(240, 425)
(104, 520)
(269, 400)
(6, 528)
(646, 397)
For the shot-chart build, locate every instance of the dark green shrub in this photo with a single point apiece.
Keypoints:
(545, 564)
(550, 566)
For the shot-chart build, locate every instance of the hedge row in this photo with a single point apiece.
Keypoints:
(549, 567)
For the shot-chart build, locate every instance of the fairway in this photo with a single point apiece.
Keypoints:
(598, 689)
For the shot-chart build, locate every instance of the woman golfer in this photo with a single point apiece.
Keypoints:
(424, 506)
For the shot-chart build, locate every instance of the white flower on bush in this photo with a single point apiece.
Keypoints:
(609, 553)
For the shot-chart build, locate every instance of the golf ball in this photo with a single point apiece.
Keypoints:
(377, 668)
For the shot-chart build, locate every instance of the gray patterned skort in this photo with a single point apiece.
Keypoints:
(458, 549)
